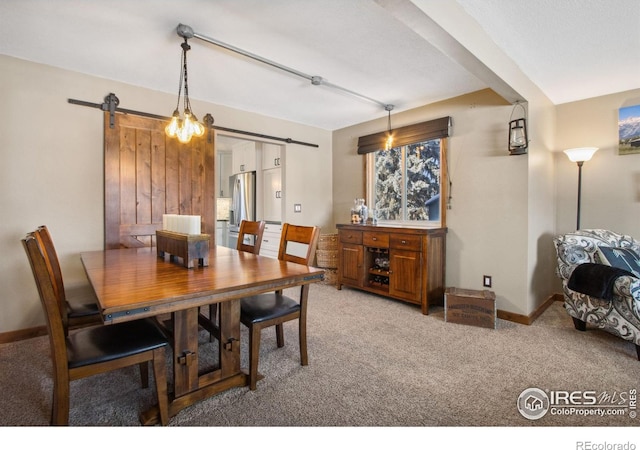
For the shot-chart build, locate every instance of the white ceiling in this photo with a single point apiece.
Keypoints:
(571, 49)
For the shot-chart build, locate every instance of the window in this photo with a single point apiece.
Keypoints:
(405, 182)
(405, 185)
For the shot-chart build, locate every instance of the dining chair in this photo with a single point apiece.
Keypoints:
(252, 232)
(94, 350)
(298, 245)
(79, 307)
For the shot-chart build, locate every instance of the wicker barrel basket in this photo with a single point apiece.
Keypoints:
(327, 252)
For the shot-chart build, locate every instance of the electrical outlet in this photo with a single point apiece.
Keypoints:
(486, 280)
(297, 207)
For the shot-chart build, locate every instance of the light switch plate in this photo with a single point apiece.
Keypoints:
(297, 207)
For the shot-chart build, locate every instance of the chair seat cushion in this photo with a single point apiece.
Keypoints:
(78, 309)
(259, 308)
(81, 301)
(108, 342)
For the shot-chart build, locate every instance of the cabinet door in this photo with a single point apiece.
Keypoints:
(222, 234)
(250, 163)
(270, 156)
(272, 195)
(405, 275)
(244, 157)
(237, 159)
(225, 164)
(351, 264)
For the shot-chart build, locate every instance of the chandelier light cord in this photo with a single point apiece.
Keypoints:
(181, 78)
(185, 48)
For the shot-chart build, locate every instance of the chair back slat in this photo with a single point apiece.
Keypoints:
(51, 258)
(250, 228)
(53, 265)
(305, 240)
(50, 303)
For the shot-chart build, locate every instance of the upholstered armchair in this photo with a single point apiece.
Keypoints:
(605, 291)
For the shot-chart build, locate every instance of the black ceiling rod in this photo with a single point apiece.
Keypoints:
(111, 104)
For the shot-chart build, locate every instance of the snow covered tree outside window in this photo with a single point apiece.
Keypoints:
(407, 182)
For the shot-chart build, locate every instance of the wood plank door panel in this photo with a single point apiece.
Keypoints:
(352, 258)
(405, 279)
(148, 174)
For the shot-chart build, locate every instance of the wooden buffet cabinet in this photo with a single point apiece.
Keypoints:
(403, 263)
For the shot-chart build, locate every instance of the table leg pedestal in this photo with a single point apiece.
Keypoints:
(152, 415)
(190, 386)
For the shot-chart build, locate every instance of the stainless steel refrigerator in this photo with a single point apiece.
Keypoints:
(243, 203)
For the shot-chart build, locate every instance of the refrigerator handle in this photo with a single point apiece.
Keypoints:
(235, 202)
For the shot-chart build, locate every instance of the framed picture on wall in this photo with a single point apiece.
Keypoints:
(629, 130)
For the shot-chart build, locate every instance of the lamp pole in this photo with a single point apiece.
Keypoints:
(579, 156)
(580, 163)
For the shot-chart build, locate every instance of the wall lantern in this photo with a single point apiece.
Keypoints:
(518, 138)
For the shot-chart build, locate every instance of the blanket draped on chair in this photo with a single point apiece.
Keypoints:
(596, 280)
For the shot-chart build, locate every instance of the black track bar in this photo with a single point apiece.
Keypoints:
(107, 106)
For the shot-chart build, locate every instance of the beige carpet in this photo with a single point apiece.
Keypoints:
(374, 362)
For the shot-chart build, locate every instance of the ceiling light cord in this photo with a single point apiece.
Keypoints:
(389, 142)
(187, 32)
(180, 80)
(187, 103)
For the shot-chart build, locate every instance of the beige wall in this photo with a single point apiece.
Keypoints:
(52, 170)
(488, 221)
(610, 182)
(541, 257)
(530, 210)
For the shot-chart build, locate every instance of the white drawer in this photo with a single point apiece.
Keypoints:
(271, 240)
(273, 228)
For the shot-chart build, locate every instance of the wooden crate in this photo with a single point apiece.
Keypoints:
(470, 307)
(189, 248)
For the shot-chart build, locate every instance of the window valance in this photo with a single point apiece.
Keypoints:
(419, 132)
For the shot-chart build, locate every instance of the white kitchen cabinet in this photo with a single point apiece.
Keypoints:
(271, 156)
(225, 171)
(222, 233)
(271, 240)
(244, 157)
(272, 195)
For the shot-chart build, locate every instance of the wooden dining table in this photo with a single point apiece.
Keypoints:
(133, 283)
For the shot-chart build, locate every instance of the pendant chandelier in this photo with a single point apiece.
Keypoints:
(186, 126)
(388, 145)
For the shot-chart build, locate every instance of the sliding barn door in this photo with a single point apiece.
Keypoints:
(147, 174)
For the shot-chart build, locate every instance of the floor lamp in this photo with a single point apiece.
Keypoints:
(579, 156)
